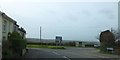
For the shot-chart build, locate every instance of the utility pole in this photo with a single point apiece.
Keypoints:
(40, 34)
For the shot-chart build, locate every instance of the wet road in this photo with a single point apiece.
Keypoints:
(68, 53)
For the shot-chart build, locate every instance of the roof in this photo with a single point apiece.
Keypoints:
(5, 16)
(1, 13)
(22, 30)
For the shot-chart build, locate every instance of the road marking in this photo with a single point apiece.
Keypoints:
(55, 53)
(97, 56)
(103, 57)
(100, 56)
(66, 57)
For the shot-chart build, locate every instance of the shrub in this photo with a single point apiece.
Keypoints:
(117, 49)
(107, 40)
(69, 44)
(89, 45)
(18, 43)
(7, 51)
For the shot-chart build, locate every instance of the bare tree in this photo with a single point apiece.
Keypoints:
(97, 36)
(116, 33)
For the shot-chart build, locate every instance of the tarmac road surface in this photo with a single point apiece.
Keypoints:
(68, 54)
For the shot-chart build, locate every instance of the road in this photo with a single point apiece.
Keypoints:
(68, 53)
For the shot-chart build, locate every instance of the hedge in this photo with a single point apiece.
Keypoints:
(56, 47)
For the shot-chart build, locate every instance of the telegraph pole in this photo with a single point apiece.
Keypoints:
(40, 33)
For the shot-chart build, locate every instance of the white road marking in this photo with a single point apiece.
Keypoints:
(66, 57)
(103, 57)
(55, 53)
(98, 56)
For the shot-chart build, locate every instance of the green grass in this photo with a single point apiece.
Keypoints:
(56, 47)
(37, 46)
(45, 46)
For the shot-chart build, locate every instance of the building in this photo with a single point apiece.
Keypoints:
(0, 28)
(7, 25)
(22, 32)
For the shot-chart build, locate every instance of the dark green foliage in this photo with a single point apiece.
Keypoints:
(107, 40)
(17, 42)
(13, 45)
(18, 45)
(89, 45)
(117, 48)
(6, 49)
(15, 36)
(69, 44)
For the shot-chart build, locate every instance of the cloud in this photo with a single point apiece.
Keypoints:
(108, 13)
(86, 12)
(72, 17)
(60, 0)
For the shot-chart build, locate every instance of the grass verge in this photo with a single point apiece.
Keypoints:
(45, 46)
(56, 47)
(37, 46)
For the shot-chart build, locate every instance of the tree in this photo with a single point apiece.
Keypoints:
(116, 33)
(18, 43)
(6, 49)
(107, 39)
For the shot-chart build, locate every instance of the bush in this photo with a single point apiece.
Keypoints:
(13, 46)
(17, 42)
(56, 47)
(18, 45)
(69, 44)
(7, 51)
(107, 40)
(117, 48)
(89, 45)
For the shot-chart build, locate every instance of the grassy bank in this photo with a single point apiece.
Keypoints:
(37, 46)
(56, 47)
(45, 46)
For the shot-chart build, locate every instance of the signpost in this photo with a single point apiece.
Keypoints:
(110, 50)
(58, 40)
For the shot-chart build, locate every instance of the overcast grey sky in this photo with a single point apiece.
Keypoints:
(72, 20)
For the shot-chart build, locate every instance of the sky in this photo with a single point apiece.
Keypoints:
(81, 20)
